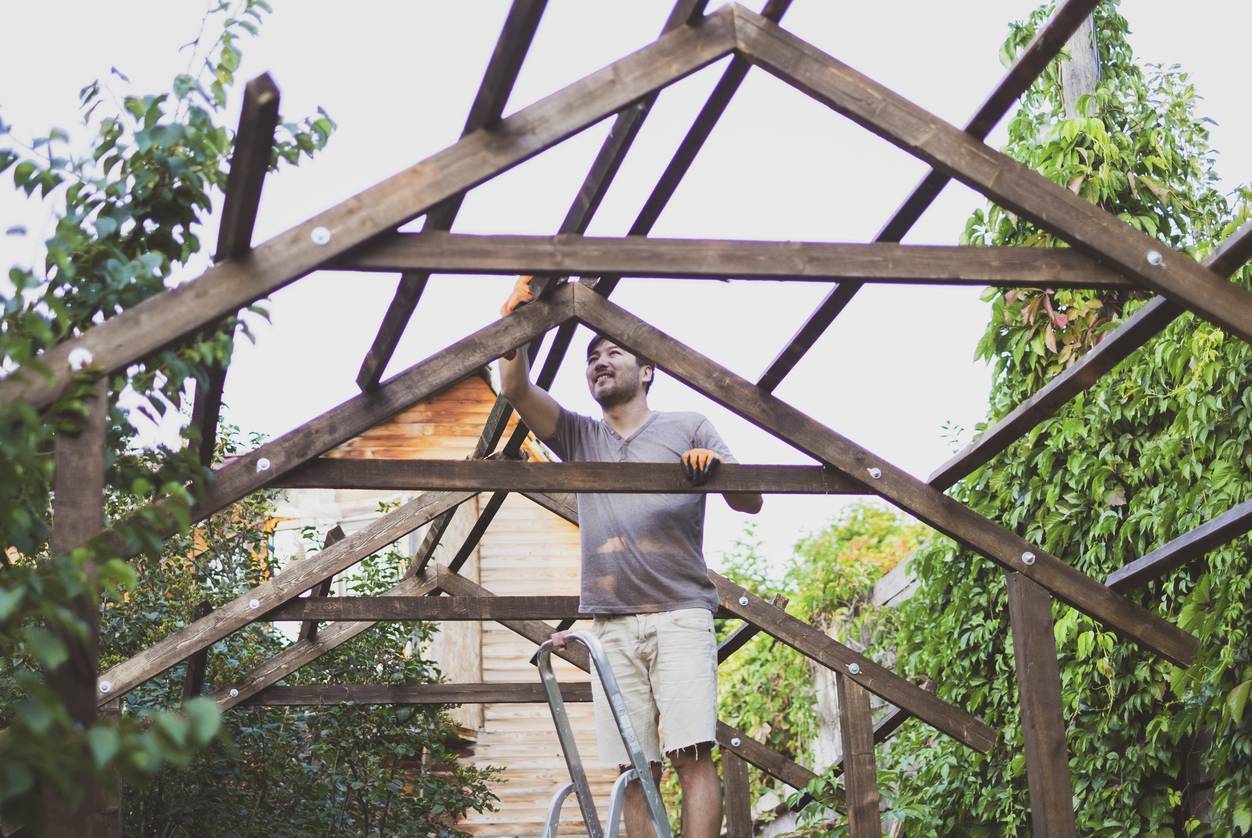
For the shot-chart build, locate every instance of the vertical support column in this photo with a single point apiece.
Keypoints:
(738, 795)
(860, 775)
(1043, 726)
(77, 514)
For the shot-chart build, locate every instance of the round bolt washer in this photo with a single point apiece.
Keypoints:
(320, 235)
(854, 668)
(106, 687)
(234, 693)
(263, 464)
(80, 358)
(1028, 558)
(735, 742)
(875, 473)
(254, 604)
(1155, 259)
(743, 600)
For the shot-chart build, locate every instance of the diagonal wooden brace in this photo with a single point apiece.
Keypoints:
(893, 484)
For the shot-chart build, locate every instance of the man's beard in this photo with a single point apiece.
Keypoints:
(622, 391)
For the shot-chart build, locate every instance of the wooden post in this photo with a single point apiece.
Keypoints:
(1080, 71)
(860, 775)
(1043, 726)
(193, 683)
(738, 796)
(77, 513)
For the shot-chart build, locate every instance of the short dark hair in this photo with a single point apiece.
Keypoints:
(639, 359)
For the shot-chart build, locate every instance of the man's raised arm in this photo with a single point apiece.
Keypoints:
(533, 404)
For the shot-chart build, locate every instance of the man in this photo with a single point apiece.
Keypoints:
(643, 571)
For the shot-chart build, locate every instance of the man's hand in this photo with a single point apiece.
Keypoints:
(559, 640)
(521, 294)
(699, 464)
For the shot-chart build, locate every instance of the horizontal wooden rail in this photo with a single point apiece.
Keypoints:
(501, 475)
(435, 609)
(639, 256)
(484, 693)
(1186, 548)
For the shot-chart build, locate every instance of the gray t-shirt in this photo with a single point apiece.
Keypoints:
(641, 553)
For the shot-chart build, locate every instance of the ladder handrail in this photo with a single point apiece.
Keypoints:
(621, 717)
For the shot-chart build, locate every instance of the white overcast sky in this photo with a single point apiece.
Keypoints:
(399, 78)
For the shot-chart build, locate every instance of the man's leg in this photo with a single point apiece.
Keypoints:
(638, 816)
(702, 790)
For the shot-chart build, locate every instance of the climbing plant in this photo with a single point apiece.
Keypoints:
(129, 189)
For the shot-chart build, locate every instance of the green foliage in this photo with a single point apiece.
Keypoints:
(128, 197)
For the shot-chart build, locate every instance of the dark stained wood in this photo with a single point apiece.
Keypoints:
(815, 644)
(193, 683)
(302, 652)
(493, 93)
(287, 585)
(1186, 548)
(1011, 267)
(737, 794)
(484, 693)
(1047, 42)
(453, 608)
(308, 630)
(737, 639)
(233, 284)
(500, 475)
(860, 774)
(893, 484)
(959, 155)
(77, 512)
(558, 503)
(735, 741)
(249, 162)
(1039, 690)
(1118, 345)
(237, 478)
(206, 408)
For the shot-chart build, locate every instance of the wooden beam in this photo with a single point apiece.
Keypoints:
(638, 256)
(893, 484)
(1047, 42)
(737, 639)
(1002, 179)
(493, 93)
(1184, 549)
(261, 466)
(308, 629)
(250, 160)
(193, 683)
(501, 475)
(234, 284)
(738, 795)
(444, 608)
(860, 774)
(302, 652)
(1116, 346)
(280, 588)
(816, 645)
(77, 511)
(484, 693)
(735, 741)
(1039, 691)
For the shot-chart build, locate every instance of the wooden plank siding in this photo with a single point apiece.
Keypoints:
(526, 552)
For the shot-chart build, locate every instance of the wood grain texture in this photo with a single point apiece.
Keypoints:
(1185, 548)
(483, 693)
(1039, 691)
(737, 794)
(860, 774)
(1047, 42)
(1002, 179)
(289, 584)
(249, 162)
(438, 609)
(893, 484)
(493, 93)
(639, 256)
(236, 283)
(308, 629)
(500, 475)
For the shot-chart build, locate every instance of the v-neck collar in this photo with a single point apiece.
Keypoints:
(635, 433)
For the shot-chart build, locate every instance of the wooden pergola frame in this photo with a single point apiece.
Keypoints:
(362, 234)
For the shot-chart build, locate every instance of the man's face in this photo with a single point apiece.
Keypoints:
(613, 374)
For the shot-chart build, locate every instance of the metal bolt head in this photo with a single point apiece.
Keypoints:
(254, 604)
(854, 668)
(1155, 259)
(743, 600)
(1028, 558)
(320, 235)
(106, 687)
(263, 464)
(875, 473)
(735, 742)
(80, 358)
(234, 693)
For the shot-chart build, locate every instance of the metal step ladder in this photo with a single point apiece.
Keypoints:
(578, 777)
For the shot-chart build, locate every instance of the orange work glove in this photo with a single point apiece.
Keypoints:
(699, 464)
(521, 294)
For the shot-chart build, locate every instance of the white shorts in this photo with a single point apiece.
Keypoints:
(666, 667)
